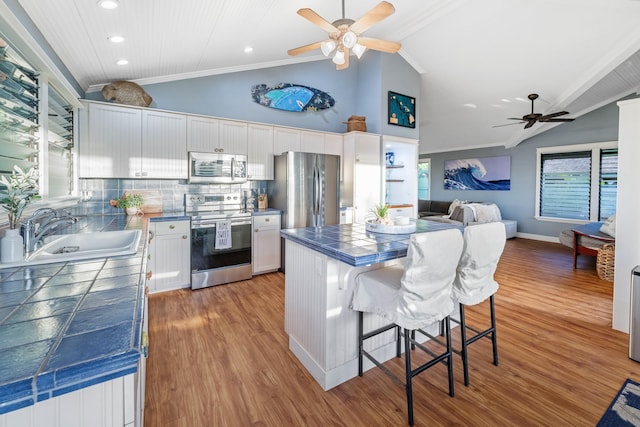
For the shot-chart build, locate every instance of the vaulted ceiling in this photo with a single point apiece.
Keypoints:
(478, 60)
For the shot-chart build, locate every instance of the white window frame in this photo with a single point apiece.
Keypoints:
(595, 176)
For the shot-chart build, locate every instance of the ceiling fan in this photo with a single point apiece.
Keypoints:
(531, 118)
(344, 35)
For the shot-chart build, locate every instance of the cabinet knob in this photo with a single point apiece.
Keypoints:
(185, 237)
(172, 226)
(256, 230)
(266, 220)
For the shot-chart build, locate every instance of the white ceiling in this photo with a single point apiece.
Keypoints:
(478, 60)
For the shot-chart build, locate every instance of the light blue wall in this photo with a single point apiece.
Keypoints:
(361, 89)
(519, 203)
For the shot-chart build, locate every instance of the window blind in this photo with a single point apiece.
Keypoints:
(608, 183)
(565, 185)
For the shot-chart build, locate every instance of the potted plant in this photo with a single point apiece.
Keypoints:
(381, 213)
(131, 203)
(21, 189)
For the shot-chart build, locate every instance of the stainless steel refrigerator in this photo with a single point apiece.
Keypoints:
(306, 188)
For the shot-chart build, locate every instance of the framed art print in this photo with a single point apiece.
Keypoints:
(402, 110)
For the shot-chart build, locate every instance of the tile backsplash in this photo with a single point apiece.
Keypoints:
(96, 193)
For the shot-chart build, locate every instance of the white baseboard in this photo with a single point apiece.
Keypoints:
(540, 237)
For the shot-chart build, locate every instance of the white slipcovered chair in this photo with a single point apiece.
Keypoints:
(474, 283)
(412, 298)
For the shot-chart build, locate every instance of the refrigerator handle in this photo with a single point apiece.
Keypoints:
(314, 196)
(319, 195)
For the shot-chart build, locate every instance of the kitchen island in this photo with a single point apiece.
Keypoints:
(73, 336)
(321, 266)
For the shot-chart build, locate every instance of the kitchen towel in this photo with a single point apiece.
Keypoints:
(223, 234)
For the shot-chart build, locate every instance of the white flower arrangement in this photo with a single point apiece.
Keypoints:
(21, 189)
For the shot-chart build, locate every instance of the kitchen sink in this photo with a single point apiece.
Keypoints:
(81, 246)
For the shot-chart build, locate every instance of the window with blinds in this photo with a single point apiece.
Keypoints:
(578, 184)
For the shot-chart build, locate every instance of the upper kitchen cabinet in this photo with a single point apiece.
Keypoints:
(260, 152)
(333, 144)
(311, 142)
(128, 142)
(211, 135)
(362, 184)
(285, 139)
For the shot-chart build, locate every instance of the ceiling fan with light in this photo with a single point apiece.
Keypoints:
(344, 35)
(531, 118)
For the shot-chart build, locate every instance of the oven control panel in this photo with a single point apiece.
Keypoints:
(212, 202)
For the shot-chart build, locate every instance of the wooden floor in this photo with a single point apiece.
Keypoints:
(219, 357)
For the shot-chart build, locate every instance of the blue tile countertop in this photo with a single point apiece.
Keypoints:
(267, 211)
(69, 325)
(354, 245)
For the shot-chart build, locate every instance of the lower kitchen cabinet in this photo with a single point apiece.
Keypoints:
(266, 243)
(169, 265)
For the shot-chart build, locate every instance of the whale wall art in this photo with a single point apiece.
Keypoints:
(484, 173)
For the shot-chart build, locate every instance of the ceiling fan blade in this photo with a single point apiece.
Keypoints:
(552, 115)
(318, 20)
(346, 61)
(508, 124)
(557, 120)
(529, 124)
(303, 49)
(378, 44)
(375, 15)
(516, 118)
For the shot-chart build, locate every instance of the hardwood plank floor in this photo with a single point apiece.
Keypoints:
(219, 357)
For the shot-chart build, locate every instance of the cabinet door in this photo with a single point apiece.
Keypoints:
(333, 145)
(164, 145)
(170, 263)
(285, 139)
(233, 137)
(266, 243)
(112, 148)
(312, 142)
(260, 152)
(367, 177)
(202, 134)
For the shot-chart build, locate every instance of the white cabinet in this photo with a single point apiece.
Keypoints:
(285, 139)
(233, 137)
(362, 180)
(169, 264)
(260, 152)
(202, 134)
(164, 142)
(211, 135)
(111, 148)
(128, 142)
(333, 145)
(312, 142)
(266, 243)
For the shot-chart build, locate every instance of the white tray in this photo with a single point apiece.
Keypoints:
(390, 229)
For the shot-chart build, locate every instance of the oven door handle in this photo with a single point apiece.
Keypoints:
(206, 224)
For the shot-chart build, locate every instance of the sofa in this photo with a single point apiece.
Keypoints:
(464, 214)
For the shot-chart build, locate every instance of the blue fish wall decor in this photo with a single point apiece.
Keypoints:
(291, 97)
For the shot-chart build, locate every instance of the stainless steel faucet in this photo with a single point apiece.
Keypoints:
(40, 222)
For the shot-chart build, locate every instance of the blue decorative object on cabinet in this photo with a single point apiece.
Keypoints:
(291, 97)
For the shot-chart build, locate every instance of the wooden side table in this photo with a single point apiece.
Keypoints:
(591, 230)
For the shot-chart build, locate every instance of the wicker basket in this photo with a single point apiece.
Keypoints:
(356, 123)
(605, 261)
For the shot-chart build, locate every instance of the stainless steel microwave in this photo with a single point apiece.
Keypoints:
(217, 168)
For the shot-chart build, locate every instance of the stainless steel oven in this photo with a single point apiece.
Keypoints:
(213, 263)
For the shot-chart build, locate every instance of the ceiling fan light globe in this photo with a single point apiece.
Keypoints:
(358, 49)
(349, 39)
(338, 58)
(327, 47)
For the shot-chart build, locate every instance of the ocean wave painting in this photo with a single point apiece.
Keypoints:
(485, 173)
(291, 97)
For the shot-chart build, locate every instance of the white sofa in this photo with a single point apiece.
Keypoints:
(468, 214)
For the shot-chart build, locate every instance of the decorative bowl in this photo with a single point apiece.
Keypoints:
(390, 229)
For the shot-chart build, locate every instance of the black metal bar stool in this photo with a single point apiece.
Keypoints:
(412, 298)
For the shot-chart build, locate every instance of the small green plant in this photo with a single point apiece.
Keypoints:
(20, 189)
(130, 201)
(381, 213)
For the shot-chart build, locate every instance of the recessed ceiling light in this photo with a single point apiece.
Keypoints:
(470, 105)
(122, 62)
(248, 49)
(505, 100)
(116, 39)
(108, 4)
